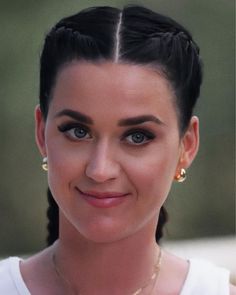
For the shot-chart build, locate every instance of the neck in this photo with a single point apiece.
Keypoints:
(111, 267)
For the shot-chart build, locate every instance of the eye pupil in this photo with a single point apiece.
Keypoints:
(138, 137)
(79, 132)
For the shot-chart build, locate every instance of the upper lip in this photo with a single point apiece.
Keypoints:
(103, 195)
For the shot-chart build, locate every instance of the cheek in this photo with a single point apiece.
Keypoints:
(65, 165)
(152, 175)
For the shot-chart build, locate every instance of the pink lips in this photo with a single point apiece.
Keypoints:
(103, 199)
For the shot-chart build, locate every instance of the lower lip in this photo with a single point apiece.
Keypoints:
(104, 202)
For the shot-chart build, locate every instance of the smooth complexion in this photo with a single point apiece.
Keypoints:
(113, 146)
(112, 128)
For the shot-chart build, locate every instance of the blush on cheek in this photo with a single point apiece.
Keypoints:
(65, 168)
(154, 179)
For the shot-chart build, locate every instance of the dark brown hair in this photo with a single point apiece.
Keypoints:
(134, 35)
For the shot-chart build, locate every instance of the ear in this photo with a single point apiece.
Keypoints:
(189, 144)
(40, 131)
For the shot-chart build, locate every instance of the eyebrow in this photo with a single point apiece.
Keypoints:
(139, 120)
(75, 115)
(123, 122)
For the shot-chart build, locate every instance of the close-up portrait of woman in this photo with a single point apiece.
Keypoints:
(115, 128)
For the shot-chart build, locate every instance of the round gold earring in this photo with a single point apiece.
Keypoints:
(45, 164)
(181, 176)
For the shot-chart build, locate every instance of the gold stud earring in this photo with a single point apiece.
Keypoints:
(181, 176)
(45, 164)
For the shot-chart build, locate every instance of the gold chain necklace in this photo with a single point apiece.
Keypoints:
(153, 277)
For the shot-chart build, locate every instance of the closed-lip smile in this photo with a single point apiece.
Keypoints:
(103, 199)
(102, 195)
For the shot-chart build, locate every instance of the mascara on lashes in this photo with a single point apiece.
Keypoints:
(68, 126)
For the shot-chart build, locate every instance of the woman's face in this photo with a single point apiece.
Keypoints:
(113, 147)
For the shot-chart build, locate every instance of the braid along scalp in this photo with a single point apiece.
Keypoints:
(133, 35)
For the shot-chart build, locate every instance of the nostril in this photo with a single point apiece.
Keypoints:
(99, 175)
(102, 165)
(102, 171)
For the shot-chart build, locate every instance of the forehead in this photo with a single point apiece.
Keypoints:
(127, 87)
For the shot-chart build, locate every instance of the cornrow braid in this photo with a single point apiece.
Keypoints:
(133, 35)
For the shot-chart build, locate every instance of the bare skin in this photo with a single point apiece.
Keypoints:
(45, 280)
(112, 247)
(232, 290)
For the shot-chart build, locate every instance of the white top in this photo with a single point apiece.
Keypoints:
(203, 279)
(11, 281)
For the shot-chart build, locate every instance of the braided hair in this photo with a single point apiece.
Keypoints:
(134, 35)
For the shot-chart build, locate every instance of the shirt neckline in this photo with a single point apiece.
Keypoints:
(17, 276)
(23, 290)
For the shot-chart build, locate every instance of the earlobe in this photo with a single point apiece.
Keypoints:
(40, 131)
(190, 143)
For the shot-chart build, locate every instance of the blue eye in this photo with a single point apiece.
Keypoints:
(78, 132)
(139, 137)
(74, 131)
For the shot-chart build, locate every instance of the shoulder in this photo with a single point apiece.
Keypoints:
(206, 279)
(11, 282)
(7, 285)
(232, 290)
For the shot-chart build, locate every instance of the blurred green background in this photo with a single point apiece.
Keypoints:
(204, 206)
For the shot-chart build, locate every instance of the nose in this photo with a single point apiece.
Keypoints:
(102, 165)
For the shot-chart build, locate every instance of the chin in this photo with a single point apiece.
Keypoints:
(103, 233)
(100, 238)
(105, 230)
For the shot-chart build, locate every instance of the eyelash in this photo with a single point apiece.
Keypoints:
(67, 127)
(145, 133)
(71, 127)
